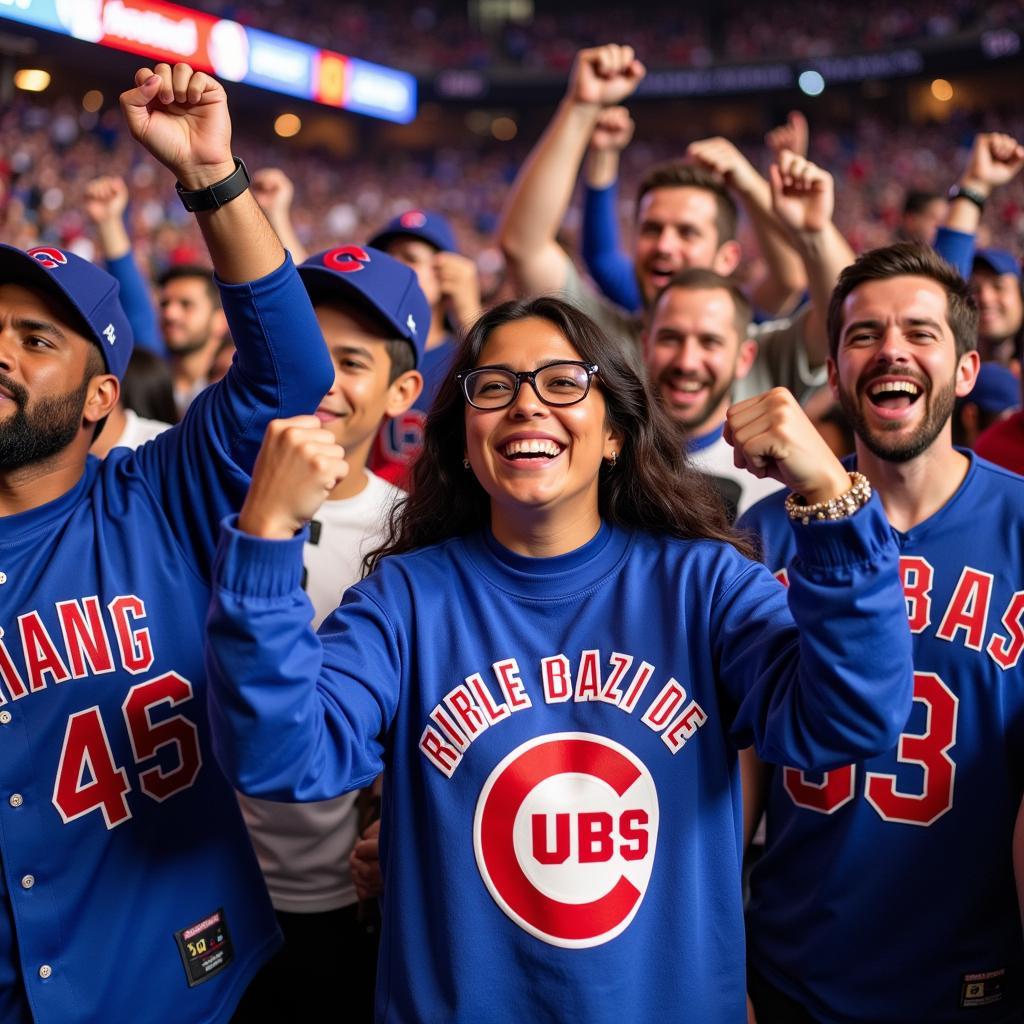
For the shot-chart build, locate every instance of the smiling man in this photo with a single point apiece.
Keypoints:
(696, 351)
(884, 932)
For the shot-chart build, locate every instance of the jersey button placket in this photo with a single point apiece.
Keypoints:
(5, 717)
(45, 970)
(16, 800)
(28, 881)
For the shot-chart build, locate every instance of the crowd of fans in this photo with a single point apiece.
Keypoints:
(668, 35)
(564, 469)
(51, 152)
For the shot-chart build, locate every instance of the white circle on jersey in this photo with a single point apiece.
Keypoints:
(565, 833)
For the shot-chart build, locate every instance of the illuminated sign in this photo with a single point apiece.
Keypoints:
(169, 32)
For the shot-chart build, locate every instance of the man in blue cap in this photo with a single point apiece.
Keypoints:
(425, 242)
(374, 317)
(996, 287)
(128, 885)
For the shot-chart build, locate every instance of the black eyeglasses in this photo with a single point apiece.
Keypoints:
(495, 387)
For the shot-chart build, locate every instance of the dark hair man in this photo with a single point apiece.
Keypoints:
(882, 933)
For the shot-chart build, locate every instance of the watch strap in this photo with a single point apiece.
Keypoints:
(971, 194)
(216, 195)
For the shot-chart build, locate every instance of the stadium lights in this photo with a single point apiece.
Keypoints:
(942, 90)
(811, 83)
(288, 125)
(504, 129)
(31, 79)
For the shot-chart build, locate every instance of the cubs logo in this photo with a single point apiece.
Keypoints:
(347, 259)
(48, 256)
(412, 219)
(565, 833)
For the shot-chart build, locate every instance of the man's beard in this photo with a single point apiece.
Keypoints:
(31, 435)
(882, 442)
(697, 418)
(188, 347)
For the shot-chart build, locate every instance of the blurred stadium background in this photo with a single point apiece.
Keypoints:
(456, 91)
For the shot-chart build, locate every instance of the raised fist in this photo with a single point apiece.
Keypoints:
(298, 465)
(613, 131)
(273, 190)
(995, 159)
(605, 75)
(772, 436)
(459, 281)
(105, 199)
(181, 117)
(803, 195)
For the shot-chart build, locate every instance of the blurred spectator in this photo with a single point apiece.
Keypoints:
(995, 396)
(923, 212)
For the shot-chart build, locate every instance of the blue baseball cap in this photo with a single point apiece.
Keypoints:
(430, 227)
(999, 260)
(375, 279)
(91, 292)
(995, 390)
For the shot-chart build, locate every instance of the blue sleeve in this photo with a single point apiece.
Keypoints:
(137, 305)
(838, 686)
(611, 269)
(199, 471)
(957, 249)
(295, 715)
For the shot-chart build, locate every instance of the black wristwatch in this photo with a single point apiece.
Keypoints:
(963, 192)
(216, 195)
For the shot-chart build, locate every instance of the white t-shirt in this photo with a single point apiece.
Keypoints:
(714, 457)
(138, 430)
(303, 849)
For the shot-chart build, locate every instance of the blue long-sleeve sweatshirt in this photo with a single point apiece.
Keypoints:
(561, 833)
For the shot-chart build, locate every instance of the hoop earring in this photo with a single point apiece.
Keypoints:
(613, 459)
(465, 463)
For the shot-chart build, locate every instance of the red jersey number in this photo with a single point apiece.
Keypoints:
(89, 780)
(929, 750)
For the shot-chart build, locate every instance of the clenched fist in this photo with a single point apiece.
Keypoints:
(298, 466)
(772, 436)
(605, 75)
(181, 117)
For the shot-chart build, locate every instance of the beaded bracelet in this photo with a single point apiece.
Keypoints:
(835, 508)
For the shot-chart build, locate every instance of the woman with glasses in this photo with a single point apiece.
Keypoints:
(555, 659)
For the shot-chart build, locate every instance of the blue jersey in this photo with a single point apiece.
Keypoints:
(400, 439)
(886, 890)
(129, 890)
(561, 831)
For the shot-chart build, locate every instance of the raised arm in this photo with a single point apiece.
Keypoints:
(839, 687)
(292, 716)
(610, 267)
(787, 279)
(600, 77)
(200, 469)
(995, 160)
(181, 117)
(803, 198)
(106, 199)
(274, 192)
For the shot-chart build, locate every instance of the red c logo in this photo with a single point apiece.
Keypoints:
(565, 833)
(49, 258)
(347, 259)
(412, 219)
